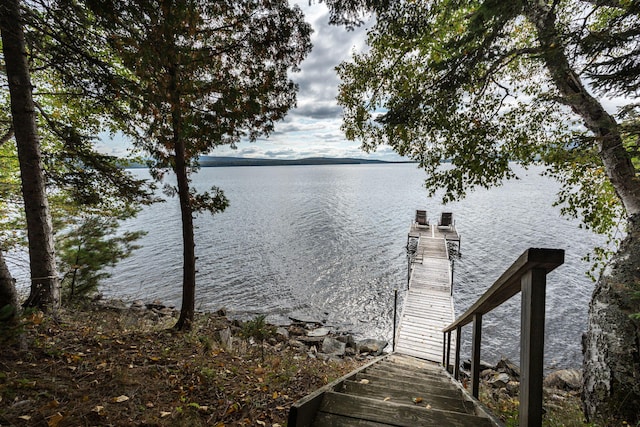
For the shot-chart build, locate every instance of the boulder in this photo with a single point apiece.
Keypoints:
(508, 367)
(282, 334)
(499, 380)
(372, 346)
(333, 347)
(483, 365)
(319, 332)
(564, 379)
(347, 339)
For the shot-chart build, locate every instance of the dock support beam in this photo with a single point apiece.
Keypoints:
(533, 285)
(476, 339)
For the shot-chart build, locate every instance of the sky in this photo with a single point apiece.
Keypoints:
(313, 128)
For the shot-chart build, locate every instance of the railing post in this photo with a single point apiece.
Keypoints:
(448, 355)
(533, 285)
(475, 354)
(456, 367)
(395, 314)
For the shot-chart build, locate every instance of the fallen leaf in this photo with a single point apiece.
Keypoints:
(55, 419)
(98, 409)
(25, 417)
(387, 399)
(261, 423)
(275, 395)
(364, 381)
(428, 406)
(149, 405)
(121, 399)
(280, 408)
(417, 400)
(164, 414)
(259, 370)
(276, 425)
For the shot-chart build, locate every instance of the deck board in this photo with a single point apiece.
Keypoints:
(428, 306)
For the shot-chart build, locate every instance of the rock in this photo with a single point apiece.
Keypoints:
(225, 338)
(333, 347)
(282, 333)
(564, 379)
(483, 365)
(508, 367)
(222, 312)
(513, 388)
(296, 344)
(372, 346)
(157, 304)
(487, 373)
(347, 339)
(297, 330)
(320, 332)
(137, 305)
(499, 380)
(310, 340)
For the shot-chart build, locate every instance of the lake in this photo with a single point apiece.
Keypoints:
(328, 243)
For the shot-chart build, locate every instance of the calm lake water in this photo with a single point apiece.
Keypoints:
(328, 243)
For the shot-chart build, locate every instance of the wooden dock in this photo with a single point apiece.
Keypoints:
(409, 387)
(428, 307)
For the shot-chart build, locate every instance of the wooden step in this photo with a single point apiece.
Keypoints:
(437, 381)
(388, 393)
(392, 413)
(420, 389)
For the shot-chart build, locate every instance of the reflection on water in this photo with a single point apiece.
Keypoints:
(328, 243)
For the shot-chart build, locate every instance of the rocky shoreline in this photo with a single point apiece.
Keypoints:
(312, 338)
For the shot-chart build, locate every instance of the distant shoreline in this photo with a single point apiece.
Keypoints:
(210, 161)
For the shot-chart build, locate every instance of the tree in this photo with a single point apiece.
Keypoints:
(9, 183)
(203, 74)
(86, 249)
(485, 83)
(81, 182)
(45, 290)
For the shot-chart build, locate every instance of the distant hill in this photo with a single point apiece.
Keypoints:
(211, 161)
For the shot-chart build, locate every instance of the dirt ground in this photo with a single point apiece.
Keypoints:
(109, 367)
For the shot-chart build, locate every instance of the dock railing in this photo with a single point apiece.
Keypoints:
(528, 274)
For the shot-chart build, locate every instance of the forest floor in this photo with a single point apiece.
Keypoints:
(109, 366)
(98, 366)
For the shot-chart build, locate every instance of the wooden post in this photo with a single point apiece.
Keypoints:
(395, 314)
(456, 367)
(533, 285)
(475, 354)
(448, 355)
(444, 350)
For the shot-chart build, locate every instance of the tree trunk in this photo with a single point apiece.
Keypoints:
(8, 294)
(187, 310)
(189, 256)
(45, 290)
(611, 389)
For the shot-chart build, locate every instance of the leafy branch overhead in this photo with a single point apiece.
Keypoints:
(481, 84)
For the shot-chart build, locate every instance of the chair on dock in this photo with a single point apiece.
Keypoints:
(421, 217)
(446, 220)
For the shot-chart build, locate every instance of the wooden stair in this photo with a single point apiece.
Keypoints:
(397, 390)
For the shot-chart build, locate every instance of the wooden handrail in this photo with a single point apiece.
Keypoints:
(527, 275)
(509, 283)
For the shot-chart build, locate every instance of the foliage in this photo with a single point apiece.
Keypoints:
(258, 329)
(87, 249)
(475, 83)
(192, 76)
